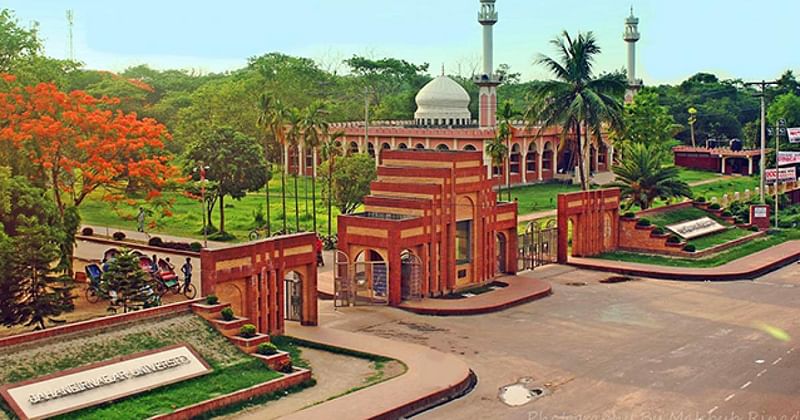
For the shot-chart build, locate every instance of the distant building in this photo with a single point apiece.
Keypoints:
(723, 160)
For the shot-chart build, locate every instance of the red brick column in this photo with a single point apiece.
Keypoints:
(310, 296)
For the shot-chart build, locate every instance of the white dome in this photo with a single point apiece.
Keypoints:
(442, 102)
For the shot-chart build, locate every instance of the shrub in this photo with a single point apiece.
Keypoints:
(690, 248)
(753, 228)
(247, 331)
(266, 349)
(726, 213)
(784, 224)
(196, 246)
(714, 206)
(700, 200)
(658, 231)
(629, 215)
(155, 241)
(87, 231)
(227, 314)
(118, 236)
(643, 222)
(222, 237)
(674, 239)
(212, 300)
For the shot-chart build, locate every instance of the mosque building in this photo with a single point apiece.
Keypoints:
(443, 121)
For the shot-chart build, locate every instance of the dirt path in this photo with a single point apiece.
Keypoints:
(335, 374)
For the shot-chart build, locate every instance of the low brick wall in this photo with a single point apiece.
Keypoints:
(296, 378)
(641, 239)
(136, 245)
(104, 322)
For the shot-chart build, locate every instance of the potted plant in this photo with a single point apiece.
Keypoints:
(275, 359)
(700, 202)
(629, 215)
(644, 224)
(210, 308)
(227, 314)
(658, 232)
(690, 248)
(247, 331)
(674, 241)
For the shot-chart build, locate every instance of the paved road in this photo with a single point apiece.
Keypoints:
(640, 349)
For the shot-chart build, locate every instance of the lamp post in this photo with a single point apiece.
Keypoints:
(762, 161)
(692, 121)
(780, 126)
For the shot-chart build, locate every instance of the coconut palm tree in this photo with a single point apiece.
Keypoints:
(274, 115)
(330, 150)
(497, 150)
(642, 177)
(576, 100)
(314, 127)
(504, 132)
(293, 135)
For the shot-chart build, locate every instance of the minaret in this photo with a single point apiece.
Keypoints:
(630, 36)
(487, 80)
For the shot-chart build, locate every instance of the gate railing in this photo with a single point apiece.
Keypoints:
(538, 245)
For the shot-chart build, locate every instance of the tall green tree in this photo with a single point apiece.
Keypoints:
(647, 122)
(504, 132)
(293, 139)
(352, 176)
(134, 289)
(274, 115)
(314, 127)
(498, 152)
(235, 162)
(642, 177)
(330, 150)
(576, 100)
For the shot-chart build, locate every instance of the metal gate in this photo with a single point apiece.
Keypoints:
(293, 296)
(360, 283)
(343, 293)
(538, 245)
(411, 276)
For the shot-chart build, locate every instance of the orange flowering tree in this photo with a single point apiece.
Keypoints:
(75, 144)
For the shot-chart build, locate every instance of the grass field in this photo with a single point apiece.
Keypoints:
(726, 186)
(233, 369)
(691, 176)
(534, 198)
(692, 213)
(240, 215)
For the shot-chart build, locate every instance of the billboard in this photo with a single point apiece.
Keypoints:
(788, 158)
(794, 134)
(786, 175)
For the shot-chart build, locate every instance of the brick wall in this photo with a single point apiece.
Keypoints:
(634, 238)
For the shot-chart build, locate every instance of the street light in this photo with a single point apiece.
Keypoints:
(780, 127)
(692, 121)
(201, 169)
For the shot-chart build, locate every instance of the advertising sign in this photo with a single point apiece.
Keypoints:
(794, 134)
(788, 158)
(786, 175)
(83, 387)
(696, 228)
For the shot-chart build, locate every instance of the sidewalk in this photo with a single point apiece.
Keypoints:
(744, 268)
(103, 231)
(521, 289)
(432, 378)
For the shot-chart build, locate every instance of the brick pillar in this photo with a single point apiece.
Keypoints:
(563, 233)
(309, 311)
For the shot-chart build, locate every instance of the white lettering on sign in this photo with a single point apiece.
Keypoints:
(786, 175)
(759, 212)
(102, 382)
(695, 228)
(794, 135)
(788, 158)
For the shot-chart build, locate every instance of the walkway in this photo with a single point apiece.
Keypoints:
(432, 378)
(520, 289)
(106, 232)
(748, 267)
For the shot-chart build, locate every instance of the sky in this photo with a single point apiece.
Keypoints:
(731, 38)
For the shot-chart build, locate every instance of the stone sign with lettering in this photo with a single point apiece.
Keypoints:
(696, 228)
(94, 384)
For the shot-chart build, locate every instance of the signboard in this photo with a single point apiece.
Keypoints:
(786, 175)
(86, 386)
(788, 158)
(759, 216)
(696, 228)
(794, 135)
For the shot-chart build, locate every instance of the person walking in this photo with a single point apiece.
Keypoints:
(318, 248)
(186, 269)
(140, 220)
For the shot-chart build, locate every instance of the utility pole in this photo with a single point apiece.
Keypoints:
(70, 45)
(780, 125)
(762, 161)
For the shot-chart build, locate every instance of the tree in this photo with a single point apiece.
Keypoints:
(646, 122)
(330, 150)
(16, 43)
(642, 177)
(388, 77)
(235, 162)
(33, 289)
(134, 288)
(314, 127)
(293, 141)
(497, 151)
(786, 106)
(505, 133)
(352, 176)
(274, 116)
(576, 98)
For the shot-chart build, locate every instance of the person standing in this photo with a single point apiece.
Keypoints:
(186, 269)
(318, 248)
(140, 220)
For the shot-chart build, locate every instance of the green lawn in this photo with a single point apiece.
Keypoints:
(534, 198)
(690, 175)
(726, 186)
(240, 215)
(712, 261)
(692, 213)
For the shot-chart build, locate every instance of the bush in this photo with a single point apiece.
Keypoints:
(267, 349)
(753, 228)
(118, 236)
(155, 241)
(714, 206)
(629, 215)
(247, 331)
(785, 224)
(196, 246)
(658, 231)
(726, 213)
(643, 222)
(674, 239)
(212, 300)
(690, 248)
(227, 314)
(700, 200)
(87, 231)
(222, 237)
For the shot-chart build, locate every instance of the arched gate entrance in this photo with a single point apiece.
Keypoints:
(538, 245)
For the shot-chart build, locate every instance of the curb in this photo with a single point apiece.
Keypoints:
(479, 309)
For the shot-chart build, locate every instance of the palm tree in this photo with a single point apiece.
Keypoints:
(314, 127)
(504, 132)
(642, 177)
(576, 100)
(266, 109)
(274, 115)
(293, 140)
(329, 152)
(497, 150)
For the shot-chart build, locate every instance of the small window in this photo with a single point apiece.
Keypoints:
(463, 242)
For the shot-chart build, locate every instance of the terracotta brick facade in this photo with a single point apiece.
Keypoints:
(251, 277)
(594, 218)
(416, 205)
